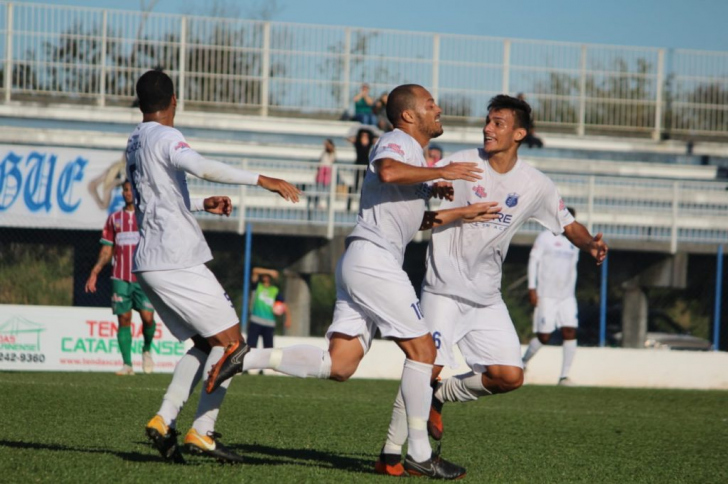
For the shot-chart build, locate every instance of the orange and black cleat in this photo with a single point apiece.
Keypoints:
(390, 465)
(229, 365)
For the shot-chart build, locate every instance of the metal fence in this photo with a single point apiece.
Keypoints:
(67, 53)
(668, 212)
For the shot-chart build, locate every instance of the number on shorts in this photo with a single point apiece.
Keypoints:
(417, 308)
(230, 300)
(436, 338)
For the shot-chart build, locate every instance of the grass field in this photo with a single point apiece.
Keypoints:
(61, 427)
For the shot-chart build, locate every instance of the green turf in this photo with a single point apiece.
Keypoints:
(59, 427)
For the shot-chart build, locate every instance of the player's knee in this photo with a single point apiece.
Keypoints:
(341, 374)
(506, 381)
(201, 344)
(568, 333)
(423, 350)
(543, 337)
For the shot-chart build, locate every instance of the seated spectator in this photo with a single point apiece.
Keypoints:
(363, 107)
(433, 154)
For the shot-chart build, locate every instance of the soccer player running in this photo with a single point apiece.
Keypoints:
(118, 241)
(170, 262)
(372, 289)
(551, 286)
(461, 295)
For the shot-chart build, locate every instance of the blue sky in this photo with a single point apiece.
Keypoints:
(687, 24)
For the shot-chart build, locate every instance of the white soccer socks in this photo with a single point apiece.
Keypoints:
(187, 374)
(209, 405)
(299, 360)
(533, 346)
(462, 388)
(417, 396)
(397, 432)
(569, 352)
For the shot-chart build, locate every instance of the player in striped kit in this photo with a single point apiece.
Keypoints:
(551, 286)
(119, 239)
(461, 296)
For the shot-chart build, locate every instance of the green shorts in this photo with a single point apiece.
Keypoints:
(127, 296)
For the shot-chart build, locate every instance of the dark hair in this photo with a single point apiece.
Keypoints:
(400, 100)
(571, 211)
(521, 109)
(154, 90)
(433, 146)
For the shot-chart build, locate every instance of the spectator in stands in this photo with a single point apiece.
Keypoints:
(380, 109)
(363, 142)
(264, 304)
(363, 107)
(531, 139)
(433, 154)
(323, 173)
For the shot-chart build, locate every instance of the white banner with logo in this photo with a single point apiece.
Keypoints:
(52, 338)
(64, 188)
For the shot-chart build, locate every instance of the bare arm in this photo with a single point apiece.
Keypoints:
(580, 237)
(477, 212)
(393, 171)
(259, 271)
(104, 258)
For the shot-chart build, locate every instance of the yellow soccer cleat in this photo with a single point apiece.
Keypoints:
(164, 439)
(210, 446)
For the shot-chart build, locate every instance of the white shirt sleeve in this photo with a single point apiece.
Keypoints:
(197, 204)
(534, 259)
(393, 147)
(185, 158)
(552, 212)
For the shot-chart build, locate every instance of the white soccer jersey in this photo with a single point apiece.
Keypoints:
(465, 259)
(170, 235)
(552, 266)
(390, 215)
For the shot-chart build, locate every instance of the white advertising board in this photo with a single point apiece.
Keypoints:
(51, 338)
(64, 188)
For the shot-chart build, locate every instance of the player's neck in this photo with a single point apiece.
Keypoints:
(129, 207)
(421, 138)
(165, 118)
(504, 161)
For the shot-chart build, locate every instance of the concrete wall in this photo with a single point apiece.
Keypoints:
(601, 367)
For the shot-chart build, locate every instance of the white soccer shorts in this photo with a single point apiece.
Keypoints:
(373, 291)
(189, 301)
(552, 314)
(484, 334)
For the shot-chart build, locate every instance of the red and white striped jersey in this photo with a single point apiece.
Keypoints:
(121, 232)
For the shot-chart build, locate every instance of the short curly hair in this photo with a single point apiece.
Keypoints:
(521, 109)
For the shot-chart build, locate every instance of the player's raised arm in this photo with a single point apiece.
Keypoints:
(476, 212)
(393, 171)
(187, 159)
(580, 237)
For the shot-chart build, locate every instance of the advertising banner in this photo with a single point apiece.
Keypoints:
(52, 338)
(64, 188)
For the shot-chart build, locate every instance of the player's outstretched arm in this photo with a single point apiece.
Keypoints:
(580, 237)
(476, 212)
(393, 171)
(219, 205)
(281, 187)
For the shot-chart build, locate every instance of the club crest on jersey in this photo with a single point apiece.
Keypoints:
(479, 191)
(181, 145)
(512, 199)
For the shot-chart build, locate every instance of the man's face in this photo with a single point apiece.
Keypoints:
(265, 279)
(127, 193)
(434, 154)
(500, 132)
(427, 114)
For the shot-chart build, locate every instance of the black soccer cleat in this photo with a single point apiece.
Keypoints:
(210, 446)
(435, 467)
(390, 465)
(229, 365)
(164, 439)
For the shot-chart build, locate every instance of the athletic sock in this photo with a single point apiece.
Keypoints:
(123, 336)
(397, 432)
(569, 352)
(462, 388)
(187, 374)
(417, 397)
(209, 405)
(299, 360)
(533, 346)
(148, 332)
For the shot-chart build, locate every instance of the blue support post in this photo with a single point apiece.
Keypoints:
(246, 276)
(603, 305)
(718, 297)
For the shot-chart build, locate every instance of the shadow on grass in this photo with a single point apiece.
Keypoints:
(275, 455)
